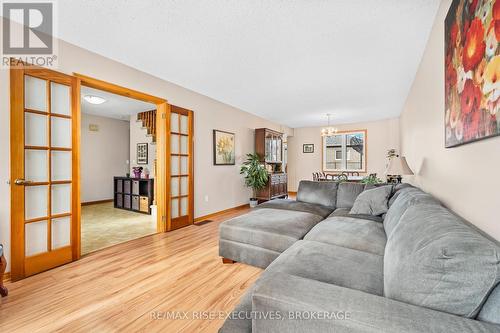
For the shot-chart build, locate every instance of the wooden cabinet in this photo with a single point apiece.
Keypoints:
(269, 146)
(134, 194)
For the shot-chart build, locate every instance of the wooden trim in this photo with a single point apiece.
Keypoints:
(119, 90)
(97, 202)
(221, 212)
(6, 277)
(292, 193)
(16, 171)
(76, 208)
(190, 166)
(162, 181)
(365, 131)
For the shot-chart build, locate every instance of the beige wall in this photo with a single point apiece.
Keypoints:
(107, 152)
(222, 185)
(382, 135)
(464, 178)
(138, 134)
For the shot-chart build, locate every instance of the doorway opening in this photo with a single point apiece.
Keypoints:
(118, 158)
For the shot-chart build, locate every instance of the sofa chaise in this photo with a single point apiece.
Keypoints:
(417, 267)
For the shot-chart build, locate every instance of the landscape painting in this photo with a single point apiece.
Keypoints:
(472, 71)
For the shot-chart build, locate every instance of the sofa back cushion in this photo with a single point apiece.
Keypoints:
(372, 201)
(319, 193)
(347, 194)
(406, 197)
(490, 312)
(435, 260)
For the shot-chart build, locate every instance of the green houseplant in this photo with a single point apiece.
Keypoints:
(255, 175)
(371, 179)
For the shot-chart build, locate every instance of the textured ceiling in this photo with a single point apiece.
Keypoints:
(116, 106)
(287, 61)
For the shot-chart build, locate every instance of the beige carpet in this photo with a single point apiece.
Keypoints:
(103, 226)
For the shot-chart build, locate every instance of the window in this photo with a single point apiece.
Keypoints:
(345, 152)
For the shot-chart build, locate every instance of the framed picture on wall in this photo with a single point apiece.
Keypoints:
(308, 148)
(472, 62)
(142, 153)
(224, 148)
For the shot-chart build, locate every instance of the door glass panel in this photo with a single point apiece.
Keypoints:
(60, 132)
(35, 129)
(36, 201)
(184, 125)
(36, 165)
(61, 165)
(184, 186)
(184, 165)
(174, 144)
(61, 199)
(184, 144)
(175, 208)
(61, 232)
(174, 186)
(174, 166)
(184, 206)
(60, 101)
(35, 93)
(35, 238)
(174, 122)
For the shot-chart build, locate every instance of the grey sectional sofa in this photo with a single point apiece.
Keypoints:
(417, 268)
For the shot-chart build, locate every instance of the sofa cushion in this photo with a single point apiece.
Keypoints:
(347, 193)
(288, 204)
(346, 212)
(373, 201)
(406, 198)
(490, 312)
(317, 261)
(320, 193)
(352, 233)
(272, 229)
(396, 191)
(435, 260)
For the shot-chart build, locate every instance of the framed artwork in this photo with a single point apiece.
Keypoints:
(142, 153)
(224, 148)
(308, 148)
(472, 69)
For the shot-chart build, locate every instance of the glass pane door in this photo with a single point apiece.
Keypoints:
(181, 168)
(42, 160)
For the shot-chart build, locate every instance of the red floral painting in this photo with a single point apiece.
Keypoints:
(472, 71)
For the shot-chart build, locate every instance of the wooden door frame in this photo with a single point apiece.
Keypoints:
(162, 180)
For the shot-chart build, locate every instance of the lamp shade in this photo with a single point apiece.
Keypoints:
(398, 166)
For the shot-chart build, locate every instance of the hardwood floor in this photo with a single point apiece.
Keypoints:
(123, 287)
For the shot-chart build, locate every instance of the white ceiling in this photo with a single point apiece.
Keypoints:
(116, 106)
(287, 61)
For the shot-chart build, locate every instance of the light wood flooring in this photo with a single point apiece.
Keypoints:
(117, 289)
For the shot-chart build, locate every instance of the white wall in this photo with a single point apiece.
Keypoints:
(104, 155)
(381, 136)
(222, 185)
(464, 178)
(139, 135)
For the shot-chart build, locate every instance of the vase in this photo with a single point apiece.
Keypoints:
(137, 174)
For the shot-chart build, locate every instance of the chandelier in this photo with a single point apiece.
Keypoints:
(330, 130)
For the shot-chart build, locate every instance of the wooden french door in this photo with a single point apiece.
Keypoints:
(45, 202)
(181, 168)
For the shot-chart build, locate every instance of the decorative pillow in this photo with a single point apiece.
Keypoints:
(373, 201)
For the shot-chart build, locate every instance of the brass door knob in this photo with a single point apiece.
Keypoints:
(21, 181)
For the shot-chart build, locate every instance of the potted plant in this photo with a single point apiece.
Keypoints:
(255, 175)
(371, 180)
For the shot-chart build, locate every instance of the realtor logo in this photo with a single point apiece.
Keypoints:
(27, 34)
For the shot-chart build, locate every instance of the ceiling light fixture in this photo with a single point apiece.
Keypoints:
(330, 130)
(94, 99)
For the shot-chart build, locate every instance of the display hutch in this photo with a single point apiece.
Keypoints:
(269, 147)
